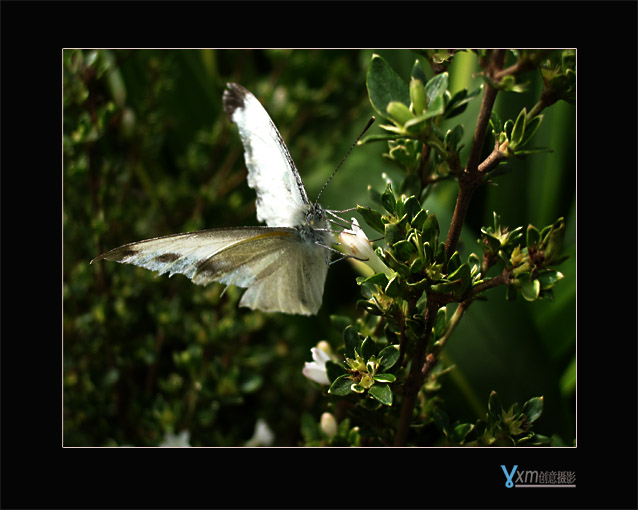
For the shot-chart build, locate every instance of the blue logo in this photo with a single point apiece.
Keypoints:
(536, 479)
(508, 476)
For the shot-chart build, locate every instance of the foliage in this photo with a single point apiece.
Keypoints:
(148, 152)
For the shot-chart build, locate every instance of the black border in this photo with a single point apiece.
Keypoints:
(37, 473)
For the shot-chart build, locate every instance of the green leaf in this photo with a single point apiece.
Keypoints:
(334, 370)
(385, 85)
(388, 357)
(531, 126)
(533, 236)
(419, 219)
(454, 262)
(440, 322)
(435, 89)
(494, 406)
(382, 393)
(430, 229)
(459, 102)
(461, 431)
(393, 233)
(549, 278)
(530, 289)
(533, 408)
(496, 123)
(368, 348)
(453, 137)
(417, 72)
(388, 200)
(411, 207)
(393, 289)
(351, 340)
(372, 218)
(385, 378)
(403, 250)
(518, 130)
(341, 386)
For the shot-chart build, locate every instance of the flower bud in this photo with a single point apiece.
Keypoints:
(329, 425)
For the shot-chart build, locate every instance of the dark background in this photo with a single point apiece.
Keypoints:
(49, 468)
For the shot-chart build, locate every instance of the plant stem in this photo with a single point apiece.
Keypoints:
(415, 377)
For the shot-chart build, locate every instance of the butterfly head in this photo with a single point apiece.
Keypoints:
(316, 217)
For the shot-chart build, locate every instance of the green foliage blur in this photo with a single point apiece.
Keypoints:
(148, 151)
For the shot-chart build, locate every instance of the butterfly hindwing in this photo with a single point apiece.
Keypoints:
(282, 272)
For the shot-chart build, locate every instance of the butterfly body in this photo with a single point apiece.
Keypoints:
(283, 265)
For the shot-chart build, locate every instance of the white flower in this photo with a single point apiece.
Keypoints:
(356, 243)
(179, 440)
(316, 370)
(262, 436)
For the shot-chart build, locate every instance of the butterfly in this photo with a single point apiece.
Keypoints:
(283, 265)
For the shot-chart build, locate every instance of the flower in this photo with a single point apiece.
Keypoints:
(316, 370)
(356, 243)
(262, 436)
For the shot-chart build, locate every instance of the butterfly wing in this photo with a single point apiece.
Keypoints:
(281, 271)
(281, 198)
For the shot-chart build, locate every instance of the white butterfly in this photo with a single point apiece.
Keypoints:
(283, 266)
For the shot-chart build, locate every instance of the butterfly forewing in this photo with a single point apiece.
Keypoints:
(281, 197)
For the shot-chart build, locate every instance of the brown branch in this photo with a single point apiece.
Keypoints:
(415, 377)
(471, 177)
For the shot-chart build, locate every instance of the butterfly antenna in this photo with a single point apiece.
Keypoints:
(370, 122)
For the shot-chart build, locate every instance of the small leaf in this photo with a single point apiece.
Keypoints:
(430, 228)
(372, 218)
(549, 278)
(393, 233)
(530, 289)
(419, 219)
(440, 322)
(435, 88)
(388, 357)
(518, 130)
(411, 207)
(341, 386)
(403, 250)
(334, 370)
(531, 126)
(385, 378)
(382, 393)
(533, 236)
(496, 123)
(385, 85)
(393, 289)
(494, 405)
(461, 431)
(351, 340)
(417, 72)
(368, 348)
(533, 408)
(388, 200)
